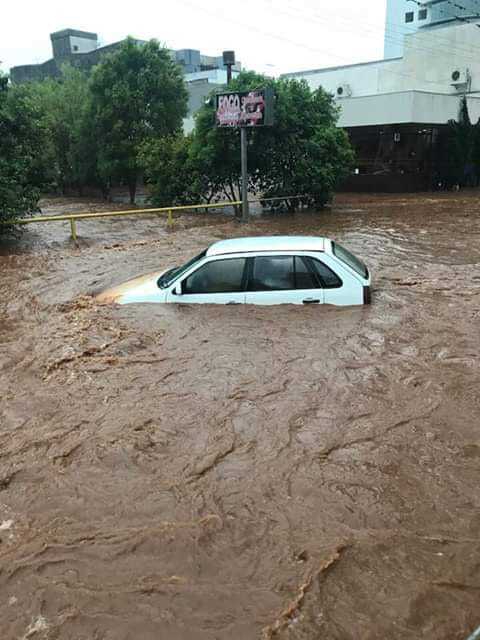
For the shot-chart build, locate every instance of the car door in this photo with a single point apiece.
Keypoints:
(339, 286)
(218, 281)
(282, 279)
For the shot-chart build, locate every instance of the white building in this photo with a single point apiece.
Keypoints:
(395, 110)
(437, 67)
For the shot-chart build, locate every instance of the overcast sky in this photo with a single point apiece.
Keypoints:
(271, 36)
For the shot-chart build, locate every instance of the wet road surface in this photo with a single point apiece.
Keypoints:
(210, 473)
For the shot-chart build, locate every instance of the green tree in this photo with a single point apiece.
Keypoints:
(458, 150)
(70, 156)
(303, 153)
(22, 139)
(138, 94)
(169, 172)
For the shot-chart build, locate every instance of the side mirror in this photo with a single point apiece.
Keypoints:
(177, 290)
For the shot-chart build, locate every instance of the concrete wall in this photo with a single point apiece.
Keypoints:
(403, 107)
(360, 79)
(430, 58)
(396, 27)
(83, 45)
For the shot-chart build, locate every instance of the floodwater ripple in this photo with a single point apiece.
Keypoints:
(189, 472)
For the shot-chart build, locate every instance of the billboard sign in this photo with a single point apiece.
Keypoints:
(245, 108)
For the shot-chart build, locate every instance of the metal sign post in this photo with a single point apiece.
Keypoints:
(243, 110)
(243, 148)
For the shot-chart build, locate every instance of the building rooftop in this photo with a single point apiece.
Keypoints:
(75, 33)
(267, 243)
(294, 74)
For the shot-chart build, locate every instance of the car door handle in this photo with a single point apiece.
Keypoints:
(311, 301)
(233, 302)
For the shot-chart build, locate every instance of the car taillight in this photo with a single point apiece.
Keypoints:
(367, 295)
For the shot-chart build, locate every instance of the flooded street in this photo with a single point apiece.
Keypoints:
(238, 473)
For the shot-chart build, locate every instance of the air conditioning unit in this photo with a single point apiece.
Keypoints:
(344, 91)
(461, 79)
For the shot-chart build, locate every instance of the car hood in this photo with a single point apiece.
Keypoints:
(133, 290)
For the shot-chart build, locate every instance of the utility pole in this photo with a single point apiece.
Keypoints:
(229, 62)
(243, 145)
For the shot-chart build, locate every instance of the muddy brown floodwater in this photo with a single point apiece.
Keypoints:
(228, 473)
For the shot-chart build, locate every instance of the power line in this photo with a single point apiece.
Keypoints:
(389, 30)
(229, 18)
(418, 47)
(397, 37)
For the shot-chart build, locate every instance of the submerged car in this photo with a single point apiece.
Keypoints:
(262, 270)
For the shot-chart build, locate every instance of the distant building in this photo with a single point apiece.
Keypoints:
(396, 111)
(80, 49)
(70, 46)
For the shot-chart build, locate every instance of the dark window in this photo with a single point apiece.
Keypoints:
(218, 276)
(272, 273)
(348, 258)
(422, 14)
(304, 278)
(409, 16)
(328, 278)
(75, 47)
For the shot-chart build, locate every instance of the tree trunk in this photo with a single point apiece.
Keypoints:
(132, 189)
(105, 186)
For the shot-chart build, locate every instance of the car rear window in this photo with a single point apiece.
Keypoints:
(349, 259)
(328, 279)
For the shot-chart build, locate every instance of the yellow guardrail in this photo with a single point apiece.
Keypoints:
(73, 217)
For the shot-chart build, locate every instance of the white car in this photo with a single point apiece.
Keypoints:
(263, 270)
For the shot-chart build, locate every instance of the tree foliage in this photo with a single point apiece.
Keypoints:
(169, 171)
(70, 155)
(22, 140)
(138, 94)
(458, 153)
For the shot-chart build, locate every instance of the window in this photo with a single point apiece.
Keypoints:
(422, 14)
(281, 273)
(409, 16)
(304, 278)
(75, 47)
(218, 276)
(348, 258)
(272, 273)
(169, 276)
(328, 278)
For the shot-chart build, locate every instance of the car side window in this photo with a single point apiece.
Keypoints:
(304, 276)
(328, 278)
(217, 276)
(272, 273)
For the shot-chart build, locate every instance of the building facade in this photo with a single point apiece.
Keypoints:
(396, 111)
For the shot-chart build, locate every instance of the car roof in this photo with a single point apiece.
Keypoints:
(267, 243)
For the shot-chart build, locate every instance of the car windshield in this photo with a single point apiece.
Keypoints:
(169, 276)
(348, 258)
